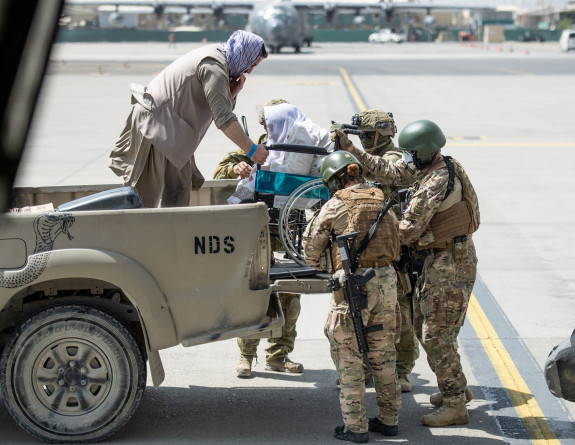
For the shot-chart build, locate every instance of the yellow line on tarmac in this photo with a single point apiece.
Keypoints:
(352, 90)
(529, 412)
(520, 73)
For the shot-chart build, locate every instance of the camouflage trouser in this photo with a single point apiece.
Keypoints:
(382, 298)
(440, 306)
(406, 344)
(278, 347)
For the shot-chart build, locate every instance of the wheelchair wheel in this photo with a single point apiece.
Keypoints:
(300, 206)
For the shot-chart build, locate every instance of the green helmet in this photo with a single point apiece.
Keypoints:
(423, 137)
(333, 164)
(378, 127)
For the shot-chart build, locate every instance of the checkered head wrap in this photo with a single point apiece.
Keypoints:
(242, 50)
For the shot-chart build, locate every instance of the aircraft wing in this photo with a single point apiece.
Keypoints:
(311, 6)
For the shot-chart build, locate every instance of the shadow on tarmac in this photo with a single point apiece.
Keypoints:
(278, 415)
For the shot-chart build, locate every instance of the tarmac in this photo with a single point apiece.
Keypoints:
(505, 111)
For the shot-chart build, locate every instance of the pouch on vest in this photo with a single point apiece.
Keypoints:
(455, 221)
(560, 369)
(460, 247)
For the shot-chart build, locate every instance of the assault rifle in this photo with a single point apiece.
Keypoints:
(355, 298)
(405, 262)
(354, 128)
(347, 129)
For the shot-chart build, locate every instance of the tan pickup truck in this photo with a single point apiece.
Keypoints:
(92, 290)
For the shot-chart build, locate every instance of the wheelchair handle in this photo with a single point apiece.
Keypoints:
(294, 148)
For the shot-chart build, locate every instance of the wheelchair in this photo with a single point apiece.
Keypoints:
(305, 195)
(292, 200)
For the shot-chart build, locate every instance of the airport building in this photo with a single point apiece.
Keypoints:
(524, 20)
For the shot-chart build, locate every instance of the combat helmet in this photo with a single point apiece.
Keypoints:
(422, 139)
(333, 170)
(378, 129)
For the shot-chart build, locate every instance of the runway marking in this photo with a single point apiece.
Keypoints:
(527, 408)
(352, 90)
(466, 138)
(519, 73)
(311, 82)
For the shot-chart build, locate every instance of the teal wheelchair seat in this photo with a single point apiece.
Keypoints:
(279, 183)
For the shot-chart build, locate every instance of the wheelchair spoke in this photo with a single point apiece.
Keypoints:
(295, 214)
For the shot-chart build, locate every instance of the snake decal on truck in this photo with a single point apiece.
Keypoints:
(47, 228)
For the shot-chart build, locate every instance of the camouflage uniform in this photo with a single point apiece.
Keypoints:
(225, 169)
(378, 144)
(278, 347)
(406, 346)
(332, 219)
(443, 291)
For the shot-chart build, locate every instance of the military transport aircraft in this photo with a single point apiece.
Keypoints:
(281, 23)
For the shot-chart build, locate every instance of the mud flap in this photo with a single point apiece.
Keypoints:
(270, 326)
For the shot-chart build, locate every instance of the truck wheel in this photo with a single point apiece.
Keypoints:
(72, 374)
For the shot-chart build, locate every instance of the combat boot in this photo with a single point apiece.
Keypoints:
(437, 398)
(405, 383)
(342, 433)
(244, 366)
(284, 365)
(452, 412)
(376, 425)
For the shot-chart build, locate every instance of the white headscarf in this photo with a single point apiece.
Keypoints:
(242, 50)
(280, 119)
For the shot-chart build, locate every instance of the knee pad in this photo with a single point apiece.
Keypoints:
(293, 308)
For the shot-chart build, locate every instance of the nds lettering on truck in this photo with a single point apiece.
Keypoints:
(92, 291)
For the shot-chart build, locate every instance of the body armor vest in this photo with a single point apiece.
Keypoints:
(363, 206)
(455, 218)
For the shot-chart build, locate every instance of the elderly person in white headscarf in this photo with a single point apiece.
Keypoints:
(171, 115)
(287, 124)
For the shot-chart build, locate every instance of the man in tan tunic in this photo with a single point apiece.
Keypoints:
(170, 116)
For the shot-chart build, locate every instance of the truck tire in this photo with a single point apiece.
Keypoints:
(72, 374)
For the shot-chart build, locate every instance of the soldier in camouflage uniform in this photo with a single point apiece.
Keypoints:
(235, 165)
(355, 206)
(378, 130)
(441, 216)
(238, 164)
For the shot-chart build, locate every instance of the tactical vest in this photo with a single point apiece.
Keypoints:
(363, 206)
(459, 218)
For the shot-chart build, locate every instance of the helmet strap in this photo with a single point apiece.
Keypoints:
(334, 184)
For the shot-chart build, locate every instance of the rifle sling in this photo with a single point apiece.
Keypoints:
(367, 238)
(374, 328)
